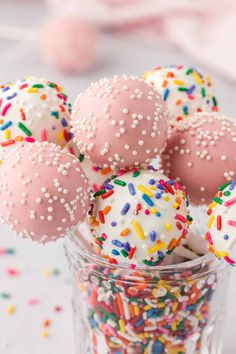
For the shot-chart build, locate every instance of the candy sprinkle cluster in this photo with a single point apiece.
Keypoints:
(33, 109)
(221, 235)
(185, 90)
(139, 218)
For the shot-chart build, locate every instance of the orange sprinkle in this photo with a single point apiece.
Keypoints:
(43, 97)
(164, 83)
(178, 102)
(19, 138)
(125, 232)
(105, 171)
(120, 305)
(106, 210)
(171, 244)
(170, 74)
(1, 121)
(46, 323)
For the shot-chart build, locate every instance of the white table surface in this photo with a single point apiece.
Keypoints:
(42, 272)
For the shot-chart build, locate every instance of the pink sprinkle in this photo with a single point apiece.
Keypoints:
(21, 87)
(29, 140)
(95, 187)
(230, 202)
(57, 308)
(132, 266)
(231, 223)
(5, 109)
(44, 135)
(33, 301)
(104, 236)
(191, 97)
(12, 271)
(229, 260)
(147, 212)
(180, 218)
(209, 239)
(59, 95)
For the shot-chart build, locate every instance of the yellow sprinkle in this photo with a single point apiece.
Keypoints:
(212, 205)
(145, 190)
(11, 310)
(174, 306)
(153, 210)
(61, 135)
(168, 227)
(175, 205)
(1, 161)
(44, 334)
(7, 134)
(156, 248)
(146, 74)
(210, 221)
(136, 311)
(161, 305)
(122, 325)
(197, 78)
(147, 307)
(47, 273)
(166, 198)
(179, 82)
(152, 188)
(223, 253)
(138, 230)
(32, 90)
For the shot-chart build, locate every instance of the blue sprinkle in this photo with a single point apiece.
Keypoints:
(185, 109)
(64, 122)
(147, 199)
(131, 189)
(153, 236)
(191, 89)
(53, 127)
(157, 348)
(108, 186)
(125, 209)
(226, 237)
(6, 88)
(158, 195)
(126, 246)
(165, 94)
(115, 252)
(113, 223)
(117, 243)
(160, 186)
(6, 125)
(152, 181)
(170, 182)
(232, 185)
(158, 214)
(160, 253)
(12, 96)
(70, 135)
(139, 323)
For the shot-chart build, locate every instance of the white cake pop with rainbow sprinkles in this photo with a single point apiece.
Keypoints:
(139, 218)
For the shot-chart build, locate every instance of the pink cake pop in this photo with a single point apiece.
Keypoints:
(43, 191)
(201, 154)
(120, 121)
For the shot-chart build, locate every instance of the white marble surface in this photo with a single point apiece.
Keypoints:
(36, 265)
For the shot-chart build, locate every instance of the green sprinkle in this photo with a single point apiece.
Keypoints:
(5, 295)
(38, 86)
(227, 193)
(119, 182)
(24, 129)
(218, 200)
(50, 84)
(189, 218)
(81, 157)
(203, 92)
(183, 89)
(189, 71)
(55, 114)
(124, 253)
(136, 173)
(98, 193)
(221, 188)
(214, 101)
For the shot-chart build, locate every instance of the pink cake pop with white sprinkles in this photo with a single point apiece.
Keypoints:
(201, 154)
(120, 121)
(43, 191)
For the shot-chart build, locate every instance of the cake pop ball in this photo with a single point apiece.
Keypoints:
(185, 90)
(120, 122)
(33, 109)
(44, 193)
(201, 154)
(221, 234)
(139, 218)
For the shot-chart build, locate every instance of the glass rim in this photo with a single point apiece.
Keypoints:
(175, 268)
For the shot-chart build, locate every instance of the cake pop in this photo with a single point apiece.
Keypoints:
(120, 122)
(185, 90)
(43, 190)
(201, 154)
(221, 235)
(139, 218)
(33, 109)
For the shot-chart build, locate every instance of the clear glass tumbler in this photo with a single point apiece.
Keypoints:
(172, 309)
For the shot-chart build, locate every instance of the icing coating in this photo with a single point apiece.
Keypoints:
(120, 122)
(184, 89)
(201, 154)
(221, 234)
(43, 191)
(33, 109)
(139, 218)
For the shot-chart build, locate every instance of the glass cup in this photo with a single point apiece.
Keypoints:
(174, 309)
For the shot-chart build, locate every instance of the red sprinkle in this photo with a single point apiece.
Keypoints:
(101, 217)
(107, 194)
(219, 222)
